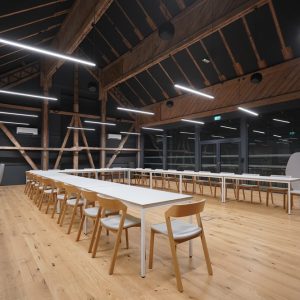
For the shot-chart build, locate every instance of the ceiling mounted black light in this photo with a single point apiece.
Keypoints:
(256, 78)
(166, 31)
(92, 87)
(169, 103)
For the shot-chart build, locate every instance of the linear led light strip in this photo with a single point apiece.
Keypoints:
(186, 132)
(248, 111)
(218, 136)
(181, 87)
(130, 133)
(15, 123)
(27, 95)
(279, 136)
(257, 131)
(81, 128)
(228, 127)
(154, 129)
(46, 52)
(136, 111)
(17, 114)
(192, 121)
(282, 121)
(160, 135)
(100, 123)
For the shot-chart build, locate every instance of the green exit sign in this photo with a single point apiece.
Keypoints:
(292, 132)
(217, 118)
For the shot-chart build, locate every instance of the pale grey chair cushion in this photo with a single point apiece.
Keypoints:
(181, 230)
(91, 211)
(72, 202)
(113, 222)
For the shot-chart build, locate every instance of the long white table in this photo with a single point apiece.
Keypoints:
(222, 176)
(139, 197)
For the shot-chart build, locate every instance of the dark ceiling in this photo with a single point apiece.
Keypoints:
(253, 42)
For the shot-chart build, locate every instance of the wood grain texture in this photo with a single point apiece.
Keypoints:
(280, 83)
(254, 251)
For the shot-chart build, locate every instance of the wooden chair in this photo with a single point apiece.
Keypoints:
(47, 192)
(252, 186)
(276, 190)
(172, 178)
(70, 201)
(186, 180)
(37, 189)
(178, 232)
(230, 184)
(202, 182)
(29, 180)
(116, 224)
(158, 177)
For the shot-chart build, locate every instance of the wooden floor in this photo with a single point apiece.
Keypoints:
(255, 252)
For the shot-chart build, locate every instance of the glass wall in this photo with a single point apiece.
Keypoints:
(153, 153)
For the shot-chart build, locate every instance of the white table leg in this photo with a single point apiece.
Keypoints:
(180, 184)
(128, 174)
(289, 199)
(151, 183)
(143, 244)
(191, 241)
(223, 190)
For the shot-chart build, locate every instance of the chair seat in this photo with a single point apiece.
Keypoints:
(277, 189)
(91, 211)
(72, 202)
(181, 230)
(113, 222)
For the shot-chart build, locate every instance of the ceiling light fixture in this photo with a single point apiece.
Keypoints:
(181, 87)
(46, 52)
(81, 128)
(257, 131)
(186, 132)
(100, 123)
(248, 111)
(282, 121)
(218, 136)
(228, 127)
(190, 138)
(160, 135)
(15, 123)
(154, 129)
(130, 133)
(17, 114)
(279, 136)
(27, 95)
(136, 111)
(192, 121)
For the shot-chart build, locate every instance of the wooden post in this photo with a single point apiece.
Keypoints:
(103, 99)
(76, 123)
(45, 127)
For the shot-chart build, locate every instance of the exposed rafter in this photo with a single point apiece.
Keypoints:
(151, 50)
(76, 26)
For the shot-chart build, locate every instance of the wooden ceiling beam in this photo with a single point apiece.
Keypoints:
(178, 92)
(280, 83)
(74, 29)
(152, 50)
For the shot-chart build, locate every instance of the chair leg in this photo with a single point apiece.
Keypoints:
(176, 265)
(244, 197)
(50, 200)
(127, 239)
(54, 207)
(206, 254)
(259, 194)
(151, 249)
(284, 197)
(116, 248)
(72, 219)
(267, 198)
(62, 217)
(99, 229)
(96, 224)
(80, 228)
(251, 195)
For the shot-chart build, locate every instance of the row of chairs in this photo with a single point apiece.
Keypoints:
(190, 184)
(111, 215)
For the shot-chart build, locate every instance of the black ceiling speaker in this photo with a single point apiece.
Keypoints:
(92, 86)
(169, 103)
(256, 78)
(166, 31)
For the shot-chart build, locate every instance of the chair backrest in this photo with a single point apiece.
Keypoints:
(90, 197)
(184, 210)
(71, 190)
(111, 204)
(293, 169)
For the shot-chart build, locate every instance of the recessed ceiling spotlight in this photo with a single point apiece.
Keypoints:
(205, 60)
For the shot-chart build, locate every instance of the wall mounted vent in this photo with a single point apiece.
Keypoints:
(26, 130)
